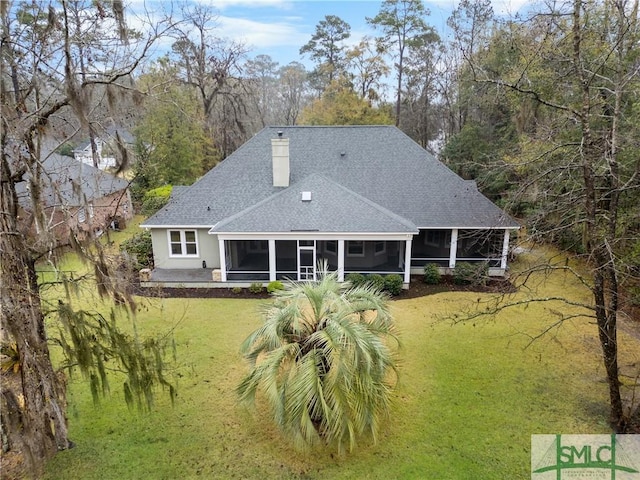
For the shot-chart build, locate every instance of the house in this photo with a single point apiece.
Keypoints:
(366, 199)
(106, 147)
(77, 198)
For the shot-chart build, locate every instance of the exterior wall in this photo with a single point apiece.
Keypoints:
(208, 250)
(85, 156)
(97, 216)
(106, 158)
(115, 207)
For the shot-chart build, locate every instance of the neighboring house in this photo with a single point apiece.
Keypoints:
(77, 197)
(366, 199)
(106, 148)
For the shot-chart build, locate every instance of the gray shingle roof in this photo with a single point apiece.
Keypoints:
(68, 181)
(379, 163)
(332, 208)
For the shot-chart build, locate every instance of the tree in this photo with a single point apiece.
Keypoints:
(42, 79)
(327, 50)
(366, 60)
(340, 105)
(324, 361)
(293, 92)
(211, 66)
(403, 25)
(579, 66)
(261, 74)
(173, 145)
(421, 117)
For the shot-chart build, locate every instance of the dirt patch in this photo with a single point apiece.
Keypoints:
(417, 288)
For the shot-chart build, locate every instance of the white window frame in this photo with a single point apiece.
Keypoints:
(351, 243)
(82, 215)
(183, 243)
(333, 249)
(375, 247)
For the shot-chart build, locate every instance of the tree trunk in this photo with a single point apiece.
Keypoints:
(607, 332)
(34, 426)
(399, 91)
(596, 245)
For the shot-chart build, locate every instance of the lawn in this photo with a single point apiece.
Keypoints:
(469, 398)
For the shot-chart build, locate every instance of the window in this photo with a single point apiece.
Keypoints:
(331, 246)
(91, 212)
(82, 215)
(183, 243)
(355, 248)
(380, 247)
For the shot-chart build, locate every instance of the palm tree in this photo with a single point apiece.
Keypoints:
(323, 361)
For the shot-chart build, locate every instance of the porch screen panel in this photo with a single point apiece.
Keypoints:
(372, 256)
(480, 245)
(328, 251)
(431, 246)
(286, 259)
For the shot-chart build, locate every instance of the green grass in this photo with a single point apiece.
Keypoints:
(469, 398)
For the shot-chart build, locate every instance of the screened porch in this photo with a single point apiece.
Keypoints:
(265, 260)
(446, 247)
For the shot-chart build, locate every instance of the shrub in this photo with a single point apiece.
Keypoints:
(163, 191)
(255, 288)
(236, 290)
(355, 279)
(376, 281)
(393, 284)
(155, 199)
(66, 149)
(467, 273)
(431, 274)
(140, 249)
(275, 285)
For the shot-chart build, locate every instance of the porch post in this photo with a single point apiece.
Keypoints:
(272, 260)
(505, 250)
(223, 260)
(407, 260)
(341, 260)
(454, 248)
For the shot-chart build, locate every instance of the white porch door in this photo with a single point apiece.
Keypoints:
(306, 260)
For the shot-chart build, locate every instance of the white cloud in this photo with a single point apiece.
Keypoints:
(223, 4)
(500, 7)
(508, 7)
(261, 34)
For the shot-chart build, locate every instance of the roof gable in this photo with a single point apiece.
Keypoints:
(329, 208)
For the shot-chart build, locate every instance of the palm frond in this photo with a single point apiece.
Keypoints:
(322, 358)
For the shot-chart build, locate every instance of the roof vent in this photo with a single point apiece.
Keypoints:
(342, 154)
(306, 196)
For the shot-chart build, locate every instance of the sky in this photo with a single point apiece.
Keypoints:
(280, 27)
